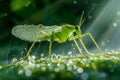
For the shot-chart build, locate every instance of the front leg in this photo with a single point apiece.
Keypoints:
(91, 37)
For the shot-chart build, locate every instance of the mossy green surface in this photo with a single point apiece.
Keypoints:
(102, 66)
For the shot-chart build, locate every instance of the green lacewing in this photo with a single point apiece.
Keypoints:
(60, 34)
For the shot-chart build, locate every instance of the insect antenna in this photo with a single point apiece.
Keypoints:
(81, 20)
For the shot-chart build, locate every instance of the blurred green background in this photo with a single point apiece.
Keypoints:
(102, 20)
(46, 12)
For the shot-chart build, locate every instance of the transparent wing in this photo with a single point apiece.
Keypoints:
(34, 32)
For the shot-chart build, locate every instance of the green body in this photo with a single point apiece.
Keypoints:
(39, 33)
(60, 34)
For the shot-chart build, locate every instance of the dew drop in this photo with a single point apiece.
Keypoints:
(33, 57)
(112, 70)
(37, 65)
(114, 24)
(58, 57)
(84, 76)
(14, 60)
(53, 56)
(69, 68)
(32, 65)
(70, 62)
(102, 74)
(43, 68)
(70, 53)
(42, 55)
(75, 67)
(27, 4)
(49, 64)
(28, 73)
(103, 43)
(58, 64)
(80, 70)
(62, 67)
(74, 2)
(3, 15)
(0, 67)
(72, 45)
(57, 69)
(52, 76)
(20, 71)
(108, 41)
(118, 12)
(90, 17)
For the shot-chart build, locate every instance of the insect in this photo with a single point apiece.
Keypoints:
(60, 34)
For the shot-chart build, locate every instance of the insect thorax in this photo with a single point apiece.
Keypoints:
(66, 33)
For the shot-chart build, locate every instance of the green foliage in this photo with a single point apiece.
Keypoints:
(102, 66)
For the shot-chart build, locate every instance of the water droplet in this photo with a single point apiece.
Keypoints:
(117, 52)
(27, 4)
(37, 65)
(53, 56)
(58, 56)
(89, 17)
(52, 76)
(70, 53)
(108, 41)
(74, 2)
(84, 76)
(62, 67)
(49, 64)
(28, 73)
(103, 43)
(114, 24)
(3, 15)
(20, 72)
(33, 57)
(75, 67)
(42, 55)
(118, 12)
(43, 68)
(70, 62)
(57, 69)
(69, 68)
(32, 65)
(0, 67)
(80, 70)
(72, 45)
(102, 74)
(14, 60)
(58, 64)
(74, 48)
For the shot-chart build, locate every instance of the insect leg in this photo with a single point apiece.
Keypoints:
(50, 48)
(36, 37)
(30, 48)
(83, 45)
(77, 45)
(50, 45)
(88, 34)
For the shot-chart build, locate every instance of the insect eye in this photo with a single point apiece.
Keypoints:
(74, 33)
(76, 27)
